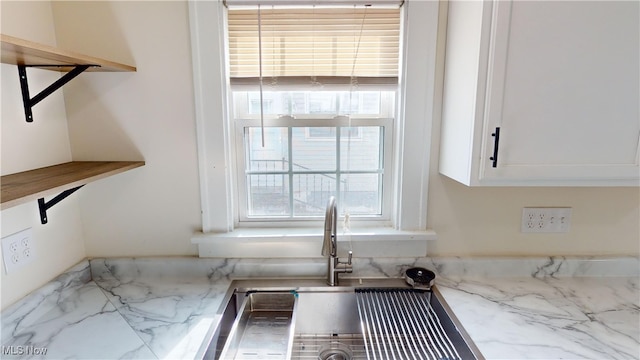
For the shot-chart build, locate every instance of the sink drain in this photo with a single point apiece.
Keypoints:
(335, 351)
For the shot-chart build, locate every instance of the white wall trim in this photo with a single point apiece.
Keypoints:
(416, 107)
(307, 243)
(210, 93)
(418, 83)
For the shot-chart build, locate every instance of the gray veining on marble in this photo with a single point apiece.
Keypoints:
(514, 308)
(170, 307)
(538, 267)
(228, 269)
(551, 318)
(24, 313)
(69, 318)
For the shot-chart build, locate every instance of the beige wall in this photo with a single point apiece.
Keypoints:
(59, 244)
(486, 221)
(147, 115)
(155, 209)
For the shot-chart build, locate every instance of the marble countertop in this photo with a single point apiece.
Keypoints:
(552, 308)
(550, 318)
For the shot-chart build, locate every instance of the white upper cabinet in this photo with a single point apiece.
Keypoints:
(559, 79)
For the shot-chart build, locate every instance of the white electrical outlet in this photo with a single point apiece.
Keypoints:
(18, 250)
(546, 220)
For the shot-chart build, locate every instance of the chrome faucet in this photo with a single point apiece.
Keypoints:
(330, 245)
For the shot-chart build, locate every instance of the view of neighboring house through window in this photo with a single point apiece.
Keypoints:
(313, 106)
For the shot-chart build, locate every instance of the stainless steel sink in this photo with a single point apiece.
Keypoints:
(305, 319)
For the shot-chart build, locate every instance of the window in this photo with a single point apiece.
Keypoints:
(305, 127)
(292, 177)
(415, 106)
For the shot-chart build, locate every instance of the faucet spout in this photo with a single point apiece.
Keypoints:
(330, 245)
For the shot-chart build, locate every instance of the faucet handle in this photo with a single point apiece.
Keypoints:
(349, 258)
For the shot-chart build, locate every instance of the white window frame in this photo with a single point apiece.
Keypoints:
(387, 102)
(241, 118)
(387, 177)
(412, 137)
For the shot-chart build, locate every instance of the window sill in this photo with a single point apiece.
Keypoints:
(307, 243)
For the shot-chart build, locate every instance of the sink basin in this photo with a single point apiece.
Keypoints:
(361, 319)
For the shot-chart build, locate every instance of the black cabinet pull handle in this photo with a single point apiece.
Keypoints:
(496, 141)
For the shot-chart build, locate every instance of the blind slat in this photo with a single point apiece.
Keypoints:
(333, 83)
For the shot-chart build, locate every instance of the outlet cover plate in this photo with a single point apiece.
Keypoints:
(546, 220)
(18, 250)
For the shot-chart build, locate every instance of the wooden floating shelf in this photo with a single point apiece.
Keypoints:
(24, 52)
(31, 185)
(64, 179)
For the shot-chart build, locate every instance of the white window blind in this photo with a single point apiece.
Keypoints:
(314, 45)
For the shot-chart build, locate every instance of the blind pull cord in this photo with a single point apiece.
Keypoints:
(354, 83)
(260, 67)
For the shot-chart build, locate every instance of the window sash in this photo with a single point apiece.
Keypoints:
(387, 104)
(315, 48)
(384, 172)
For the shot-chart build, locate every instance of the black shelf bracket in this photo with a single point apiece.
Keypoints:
(46, 205)
(29, 102)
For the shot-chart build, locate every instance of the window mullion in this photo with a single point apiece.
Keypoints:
(290, 155)
(381, 167)
(338, 168)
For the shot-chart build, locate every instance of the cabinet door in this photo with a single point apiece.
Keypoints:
(563, 87)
